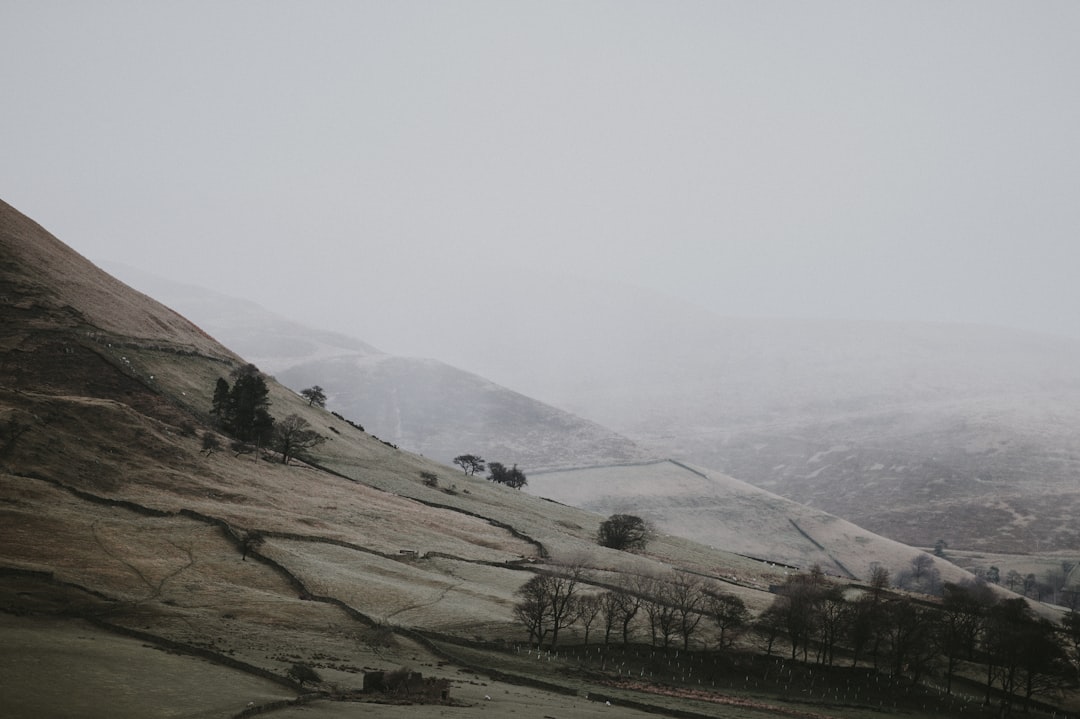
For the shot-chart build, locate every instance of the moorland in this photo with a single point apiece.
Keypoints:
(152, 565)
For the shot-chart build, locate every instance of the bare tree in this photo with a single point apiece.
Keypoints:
(906, 628)
(879, 579)
(659, 606)
(796, 607)
(959, 624)
(920, 565)
(867, 617)
(770, 626)
(921, 576)
(688, 599)
(833, 619)
(549, 603)
(315, 396)
(728, 612)
(533, 608)
(618, 607)
(470, 463)
(293, 435)
(588, 611)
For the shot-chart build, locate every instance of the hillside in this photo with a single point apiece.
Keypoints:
(120, 537)
(916, 432)
(723, 512)
(422, 405)
(910, 430)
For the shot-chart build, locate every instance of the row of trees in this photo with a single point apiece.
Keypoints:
(968, 631)
(242, 411)
(670, 608)
(499, 473)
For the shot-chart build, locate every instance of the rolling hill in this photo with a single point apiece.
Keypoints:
(911, 430)
(142, 575)
(723, 512)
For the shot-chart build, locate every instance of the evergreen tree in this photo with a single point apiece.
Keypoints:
(244, 413)
(220, 407)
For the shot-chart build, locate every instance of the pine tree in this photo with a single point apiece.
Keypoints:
(245, 414)
(220, 407)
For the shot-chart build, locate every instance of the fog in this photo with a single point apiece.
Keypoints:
(438, 179)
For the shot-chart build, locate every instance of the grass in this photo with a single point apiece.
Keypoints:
(58, 667)
(119, 538)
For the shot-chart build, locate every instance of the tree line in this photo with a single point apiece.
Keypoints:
(969, 631)
(669, 608)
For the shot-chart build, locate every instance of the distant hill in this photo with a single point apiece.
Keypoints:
(912, 430)
(422, 405)
(723, 512)
(918, 432)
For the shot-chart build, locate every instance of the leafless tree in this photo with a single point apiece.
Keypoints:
(549, 603)
(588, 611)
(294, 435)
(659, 607)
(470, 463)
(687, 597)
(315, 396)
(618, 608)
(728, 612)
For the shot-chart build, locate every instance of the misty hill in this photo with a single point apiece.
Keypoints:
(910, 430)
(120, 536)
(422, 405)
(723, 512)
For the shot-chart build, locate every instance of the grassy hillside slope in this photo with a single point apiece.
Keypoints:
(142, 577)
(422, 405)
(907, 429)
(723, 512)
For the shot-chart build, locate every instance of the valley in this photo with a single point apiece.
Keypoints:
(148, 572)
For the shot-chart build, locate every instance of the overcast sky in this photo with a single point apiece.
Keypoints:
(883, 160)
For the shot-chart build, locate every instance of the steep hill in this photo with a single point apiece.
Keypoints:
(120, 536)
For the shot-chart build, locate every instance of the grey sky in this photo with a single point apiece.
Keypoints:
(336, 160)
